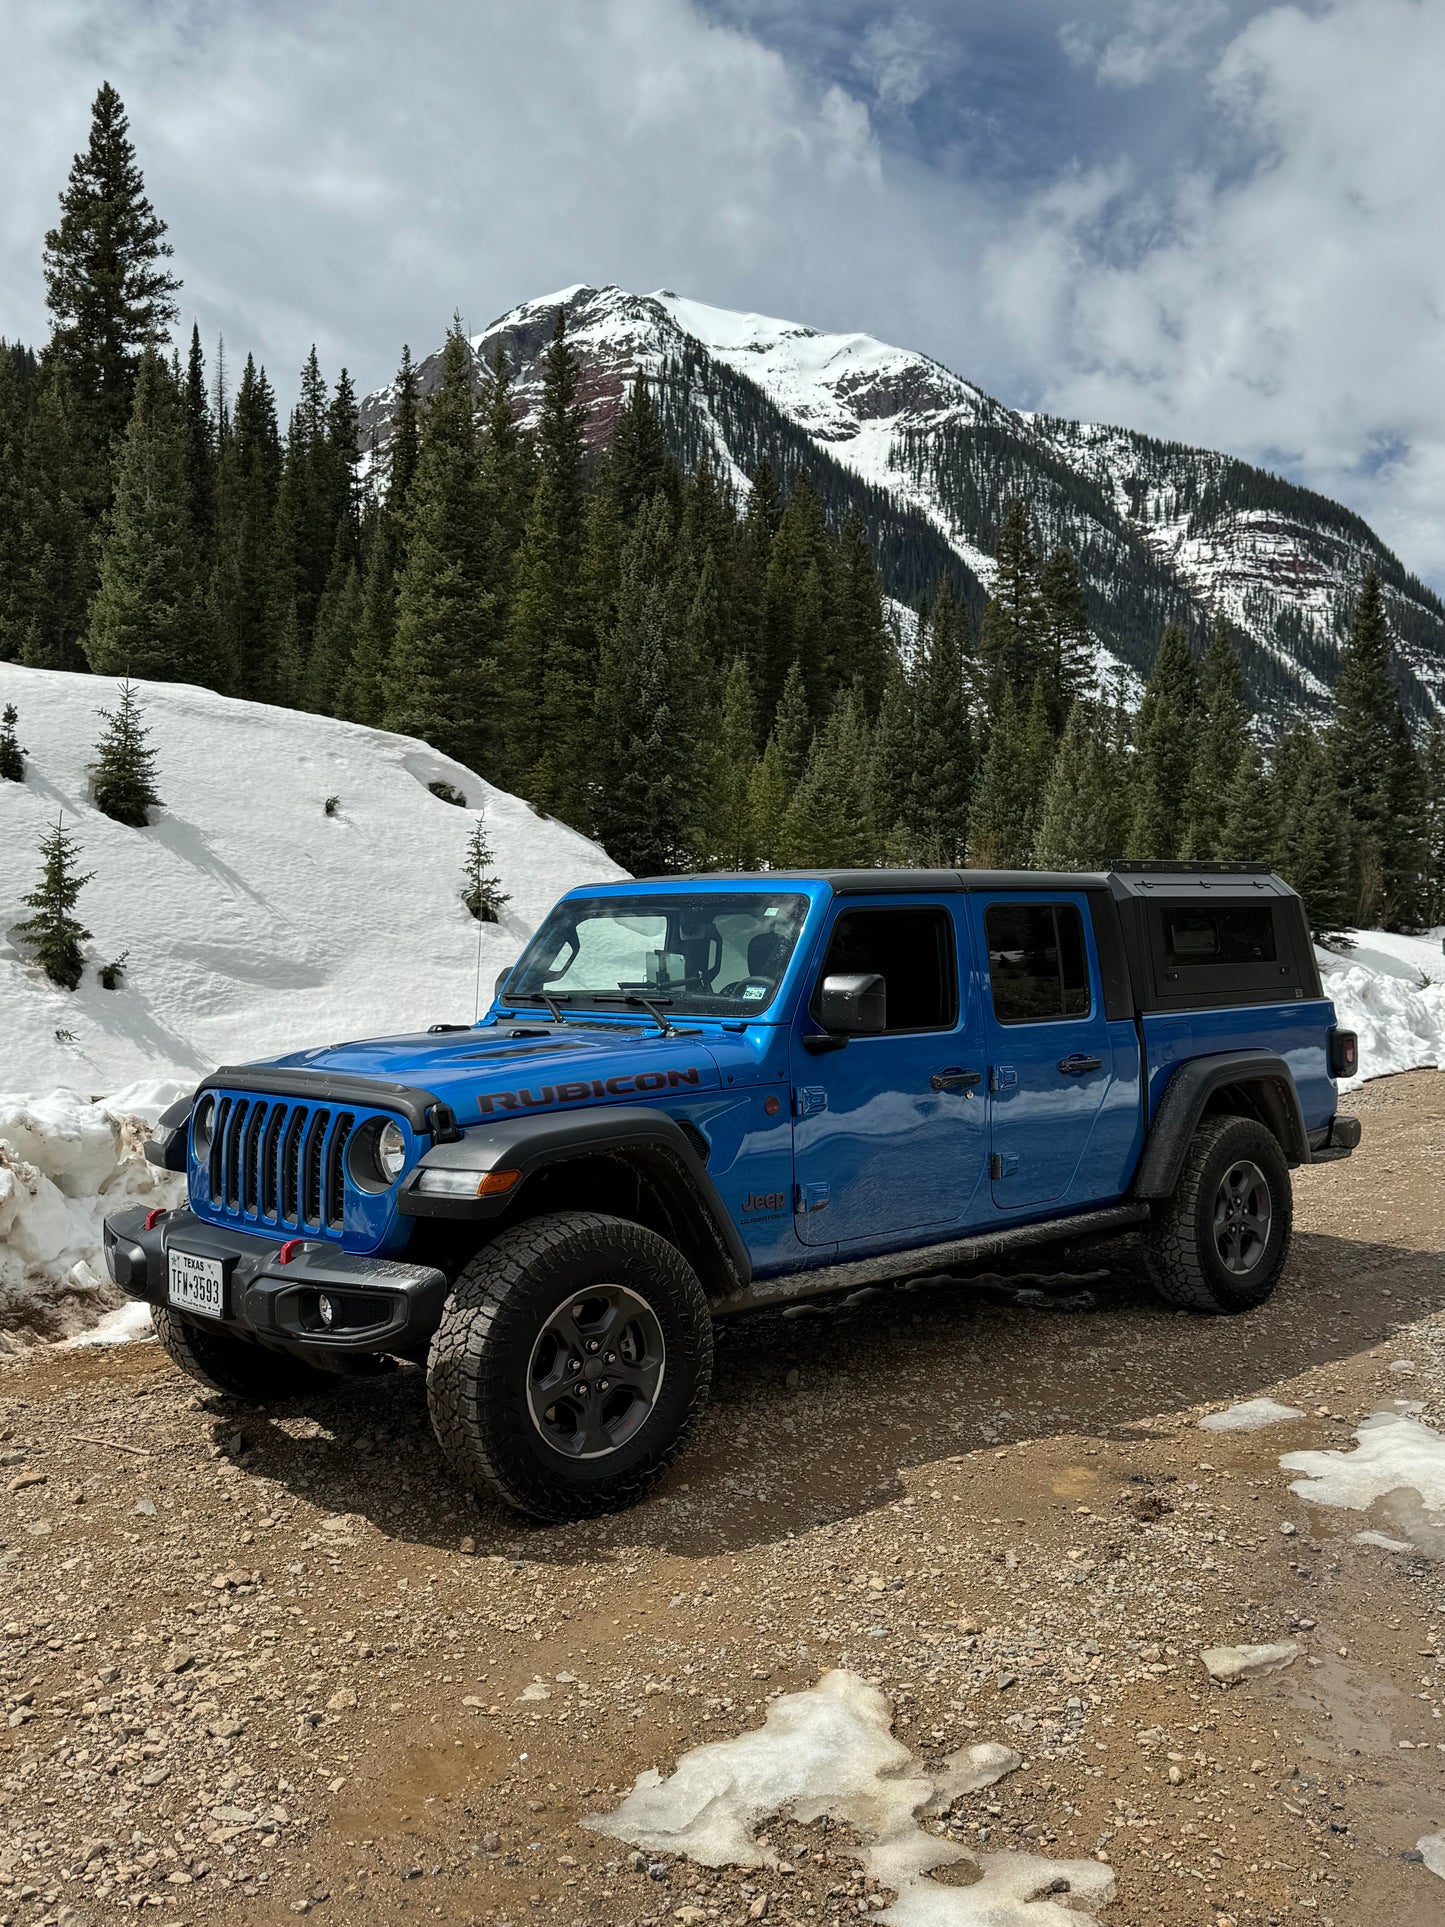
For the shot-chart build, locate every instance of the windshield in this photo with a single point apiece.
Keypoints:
(705, 956)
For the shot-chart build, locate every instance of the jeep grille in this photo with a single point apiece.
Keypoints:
(279, 1163)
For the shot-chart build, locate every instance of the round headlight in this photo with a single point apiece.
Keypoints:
(390, 1151)
(203, 1125)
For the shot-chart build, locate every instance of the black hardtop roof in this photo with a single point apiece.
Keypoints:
(1197, 881)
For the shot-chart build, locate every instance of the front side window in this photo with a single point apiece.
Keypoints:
(704, 955)
(912, 950)
(1038, 968)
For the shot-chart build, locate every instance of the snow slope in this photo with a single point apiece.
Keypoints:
(1390, 990)
(253, 922)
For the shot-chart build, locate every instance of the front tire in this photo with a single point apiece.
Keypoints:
(222, 1362)
(1220, 1242)
(573, 1354)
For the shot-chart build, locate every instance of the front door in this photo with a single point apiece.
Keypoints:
(889, 1130)
(1051, 1060)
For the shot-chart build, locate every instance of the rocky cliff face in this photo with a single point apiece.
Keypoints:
(1163, 531)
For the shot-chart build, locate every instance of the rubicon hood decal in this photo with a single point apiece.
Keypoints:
(628, 1084)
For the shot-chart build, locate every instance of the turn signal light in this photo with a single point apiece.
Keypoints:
(496, 1181)
(1344, 1053)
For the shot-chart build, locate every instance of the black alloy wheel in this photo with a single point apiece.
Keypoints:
(596, 1371)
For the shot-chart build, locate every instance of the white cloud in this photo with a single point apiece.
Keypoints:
(338, 173)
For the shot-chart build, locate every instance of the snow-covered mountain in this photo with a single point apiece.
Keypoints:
(927, 459)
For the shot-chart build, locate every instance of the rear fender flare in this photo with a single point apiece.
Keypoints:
(664, 1150)
(1269, 1081)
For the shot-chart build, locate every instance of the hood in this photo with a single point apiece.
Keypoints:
(482, 1072)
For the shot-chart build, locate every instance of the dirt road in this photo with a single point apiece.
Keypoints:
(260, 1664)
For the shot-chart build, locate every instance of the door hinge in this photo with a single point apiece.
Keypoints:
(1003, 1164)
(809, 1099)
(1003, 1077)
(811, 1197)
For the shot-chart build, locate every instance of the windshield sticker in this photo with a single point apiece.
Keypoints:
(751, 992)
(642, 1082)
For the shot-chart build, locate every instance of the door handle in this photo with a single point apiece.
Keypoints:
(954, 1079)
(1076, 1065)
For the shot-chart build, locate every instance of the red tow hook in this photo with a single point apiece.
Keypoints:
(289, 1249)
(154, 1217)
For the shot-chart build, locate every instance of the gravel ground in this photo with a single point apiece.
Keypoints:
(259, 1664)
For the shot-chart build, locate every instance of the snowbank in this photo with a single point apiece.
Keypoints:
(1391, 991)
(64, 1163)
(253, 923)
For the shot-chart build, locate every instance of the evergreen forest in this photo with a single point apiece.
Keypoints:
(695, 677)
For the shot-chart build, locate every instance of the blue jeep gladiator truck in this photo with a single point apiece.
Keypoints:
(697, 1096)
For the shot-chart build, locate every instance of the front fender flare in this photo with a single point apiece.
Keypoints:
(533, 1142)
(1187, 1093)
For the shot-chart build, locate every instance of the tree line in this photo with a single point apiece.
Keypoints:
(697, 675)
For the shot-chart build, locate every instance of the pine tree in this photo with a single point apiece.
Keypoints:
(54, 932)
(792, 729)
(1013, 646)
(339, 622)
(730, 837)
(17, 386)
(1311, 849)
(1221, 740)
(1001, 825)
(149, 614)
(895, 762)
(442, 673)
(1078, 819)
(105, 282)
(641, 462)
(1164, 735)
(797, 603)
(829, 820)
(363, 695)
(1375, 769)
(12, 756)
(937, 812)
(482, 892)
(862, 653)
(1068, 642)
(768, 804)
(243, 580)
(124, 782)
(60, 511)
(1432, 768)
(1250, 831)
(200, 444)
(507, 480)
(645, 800)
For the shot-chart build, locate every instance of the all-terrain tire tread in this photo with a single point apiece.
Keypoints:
(1173, 1249)
(464, 1367)
(224, 1363)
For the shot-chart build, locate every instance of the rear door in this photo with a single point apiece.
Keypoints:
(1051, 1060)
(889, 1131)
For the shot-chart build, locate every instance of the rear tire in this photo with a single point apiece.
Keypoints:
(573, 1354)
(222, 1362)
(1220, 1243)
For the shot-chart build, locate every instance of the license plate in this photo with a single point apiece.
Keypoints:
(197, 1284)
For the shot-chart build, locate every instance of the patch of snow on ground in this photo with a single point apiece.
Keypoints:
(830, 1751)
(1249, 1416)
(1390, 990)
(128, 1324)
(1399, 1464)
(64, 1163)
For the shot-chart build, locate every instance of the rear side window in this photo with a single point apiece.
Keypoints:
(1237, 934)
(912, 951)
(1037, 966)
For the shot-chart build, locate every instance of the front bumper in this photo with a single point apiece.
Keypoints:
(379, 1305)
(1335, 1140)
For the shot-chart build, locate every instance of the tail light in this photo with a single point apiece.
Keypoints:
(1344, 1054)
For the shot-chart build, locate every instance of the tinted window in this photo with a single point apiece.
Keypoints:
(912, 951)
(1037, 965)
(1240, 935)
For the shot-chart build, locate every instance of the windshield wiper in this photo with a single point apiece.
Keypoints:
(552, 1005)
(656, 1008)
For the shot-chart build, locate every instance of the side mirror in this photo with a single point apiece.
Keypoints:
(853, 1006)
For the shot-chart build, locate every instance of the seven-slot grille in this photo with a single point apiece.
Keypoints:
(280, 1162)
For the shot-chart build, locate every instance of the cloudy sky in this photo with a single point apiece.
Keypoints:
(1213, 219)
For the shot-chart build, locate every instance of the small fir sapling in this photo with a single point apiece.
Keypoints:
(54, 932)
(12, 756)
(482, 892)
(124, 786)
(333, 804)
(112, 974)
